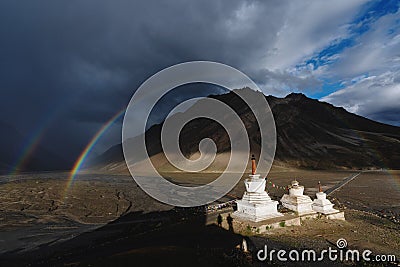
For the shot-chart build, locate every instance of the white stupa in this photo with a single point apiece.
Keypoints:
(296, 201)
(256, 205)
(321, 204)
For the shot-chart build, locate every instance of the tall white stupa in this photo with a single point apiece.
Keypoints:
(256, 205)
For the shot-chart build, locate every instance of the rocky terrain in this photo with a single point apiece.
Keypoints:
(36, 208)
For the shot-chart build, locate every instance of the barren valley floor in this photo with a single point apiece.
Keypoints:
(37, 209)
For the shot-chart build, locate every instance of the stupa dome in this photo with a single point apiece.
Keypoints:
(295, 183)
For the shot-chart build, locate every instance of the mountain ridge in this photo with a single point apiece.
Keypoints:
(16, 156)
(310, 134)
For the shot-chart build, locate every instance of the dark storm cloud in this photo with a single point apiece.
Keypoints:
(79, 62)
(68, 66)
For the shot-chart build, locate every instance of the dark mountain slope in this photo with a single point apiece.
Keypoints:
(310, 134)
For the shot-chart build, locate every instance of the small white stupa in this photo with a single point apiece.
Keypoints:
(296, 201)
(321, 204)
(256, 205)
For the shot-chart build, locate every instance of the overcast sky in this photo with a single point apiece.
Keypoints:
(66, 67)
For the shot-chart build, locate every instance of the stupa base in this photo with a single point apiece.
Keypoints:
(256, 212)
(299, 204)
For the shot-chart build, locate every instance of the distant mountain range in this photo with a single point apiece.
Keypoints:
(310, 134)
(16, 155)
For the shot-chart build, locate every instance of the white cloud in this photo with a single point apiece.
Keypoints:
(280, 83)
(370, 72)
(283, 37)
(370, 96)
(376, 51)
(309, 27)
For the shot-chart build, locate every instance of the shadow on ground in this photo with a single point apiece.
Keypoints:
(169, 238)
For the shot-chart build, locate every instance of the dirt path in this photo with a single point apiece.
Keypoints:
(341, 184)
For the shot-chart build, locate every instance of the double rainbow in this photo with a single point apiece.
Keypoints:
(81, 159)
